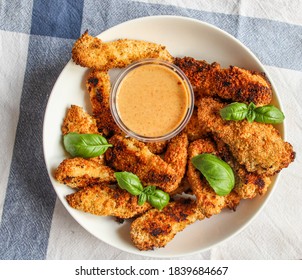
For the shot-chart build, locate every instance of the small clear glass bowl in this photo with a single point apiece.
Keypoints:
(114, 107)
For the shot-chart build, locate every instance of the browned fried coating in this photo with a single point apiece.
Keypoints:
(177, 154)
(156, 228)
(98, 87)
(79, 121)
(157, 147)
(233, 83)
(102, 200)
(79, 172)
(128, 154)
(209, 202)
(92, 52)
(193, 129)
(257, 146)
(248, 184)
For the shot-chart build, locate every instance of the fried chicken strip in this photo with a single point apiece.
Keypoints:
(79, 172)
(128, 154)
(92, 52)
(79, 121)
(257, 146)
(102, 200)
(208, 201)
(98, 87)
(156, 228)
(233, 83)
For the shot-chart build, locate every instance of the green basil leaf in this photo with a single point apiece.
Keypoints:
(234, 112)
(149, 190)
(142, 199)
(129, 182)
(251, 115)
(158, 199)
(85, 145)
(217, 172)
(269, 114)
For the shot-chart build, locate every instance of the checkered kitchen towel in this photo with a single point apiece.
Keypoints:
(36, 37)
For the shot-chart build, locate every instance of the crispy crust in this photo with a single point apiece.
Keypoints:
(257, 146)
(128, 154)
(77, 120)
(156, 228)
(102, 200)
(98, 87)
(80, 172)
(91, 52)
(233, 83)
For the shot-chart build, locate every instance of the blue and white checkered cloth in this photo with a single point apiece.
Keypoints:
(36, 37)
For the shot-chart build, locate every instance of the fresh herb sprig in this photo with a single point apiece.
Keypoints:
(264, 114)
(131, 183)
(217, 172)
(85, 145)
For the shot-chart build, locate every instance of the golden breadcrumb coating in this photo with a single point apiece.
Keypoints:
(257, 146)
(157, 147)
(209, 202)
(79, 121)
(98, 87)
(156, 228)
(128, 154)
(92, 52)
(177, 154)
(233, 83)
(193, 129)
(79, 172)
(103, 200)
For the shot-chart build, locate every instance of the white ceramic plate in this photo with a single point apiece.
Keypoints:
(182, 37)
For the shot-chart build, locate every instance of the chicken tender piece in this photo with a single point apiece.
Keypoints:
(257, 146)
(177, 154)
(128, 154)
(98, 87)
(247, 184)
(208, 201)
(193, 129)
(92, 52)
(102, 200)
(79, 121)
(156, 228)
(233, 83)
(79, 172)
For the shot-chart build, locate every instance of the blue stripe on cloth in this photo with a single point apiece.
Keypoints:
(30, 199)
(274, 43)
(57, 18)
(10, 10)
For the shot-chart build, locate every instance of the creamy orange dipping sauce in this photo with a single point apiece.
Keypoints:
(152, 100)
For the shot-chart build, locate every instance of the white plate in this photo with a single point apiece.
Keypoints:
(183, 37)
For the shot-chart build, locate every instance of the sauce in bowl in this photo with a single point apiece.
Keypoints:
(152, 100)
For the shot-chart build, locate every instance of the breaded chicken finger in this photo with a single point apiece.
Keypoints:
(233, 83)
(92, 52)
(257, 146)
(156, 228)
(131, 155)
(102, 200)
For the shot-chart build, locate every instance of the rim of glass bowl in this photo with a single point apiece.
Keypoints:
(113, 103)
